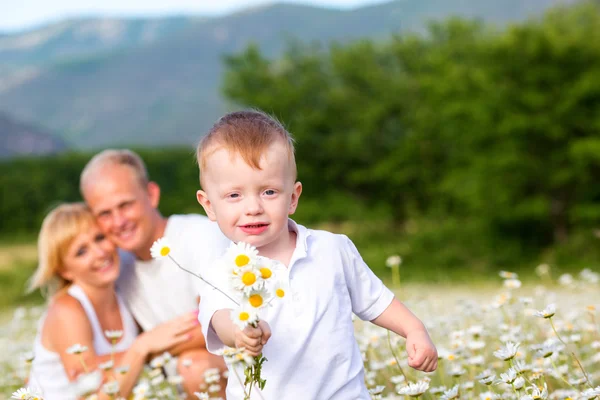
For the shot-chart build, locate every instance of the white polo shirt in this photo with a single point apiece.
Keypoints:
(312, 353)
(156, 291)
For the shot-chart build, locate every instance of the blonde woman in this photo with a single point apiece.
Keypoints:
(78, 268)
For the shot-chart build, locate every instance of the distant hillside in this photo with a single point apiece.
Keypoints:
(19, 139)
(103, 82)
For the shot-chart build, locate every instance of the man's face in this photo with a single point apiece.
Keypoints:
(124, 209)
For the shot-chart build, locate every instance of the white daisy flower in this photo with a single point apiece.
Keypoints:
(160, 248)
(280, 289)
(202, 396)
(547, 312)
(111, 388)
(508, 351)
(105, 366)
(247, 279)
(26, 394)
(393, 261)
(450, 394)
(241, 254)
(508, 275)
(414, 389)
(244, 316)
(113, 335)
(257, 299)
(77, 349)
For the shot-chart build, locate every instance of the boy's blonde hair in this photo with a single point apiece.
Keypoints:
(108, 157)
(59, 229)
(247, 133)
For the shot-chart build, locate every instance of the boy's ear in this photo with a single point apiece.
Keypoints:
(295, 196)
(205, 203)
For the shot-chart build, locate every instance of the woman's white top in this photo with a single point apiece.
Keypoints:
(47, 372)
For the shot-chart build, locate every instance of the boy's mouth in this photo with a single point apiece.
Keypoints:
(254, 229)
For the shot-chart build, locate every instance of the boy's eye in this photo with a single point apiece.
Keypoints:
(234, 195)
(269, 192)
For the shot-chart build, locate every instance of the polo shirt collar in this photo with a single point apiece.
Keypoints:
(302, 235)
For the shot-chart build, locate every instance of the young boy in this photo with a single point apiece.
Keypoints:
(249, 187)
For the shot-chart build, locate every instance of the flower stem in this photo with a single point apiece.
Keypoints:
(572, 355)
(395, 358)
(203, 280)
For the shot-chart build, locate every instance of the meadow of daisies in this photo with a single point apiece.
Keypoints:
(511, 340)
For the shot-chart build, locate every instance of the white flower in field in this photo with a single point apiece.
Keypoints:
(590, 394)
(488, 396)
(377, 390)
(537, 392)
(122, 370)
(26, 394)
(202, 396)
(111, 388)
(476, 345)
(475, 330)
(456, 370)
(77, 349)
(88, 383)
(393, 261)
(476, 360)
(160, 248)
(542, 269)
(508, 275)
(28, 357)
(247, 279)
(438, 389)
(244, 316)
(520, 367)
(508, 351)
(141, 389)
(414, 389)
(450, 394)
(566, 280)
(486, 373)
(519, 383)
(526, 300)
(157, 380)
(105, 366)
(175, 379)
(547, 312)
(397, 379)
(241, 254)
(113, 335)
(589, 276)
(469, 385)
(508, 377)
(488, 380)
(512, 283)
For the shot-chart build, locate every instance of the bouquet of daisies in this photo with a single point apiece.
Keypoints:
(252, 283)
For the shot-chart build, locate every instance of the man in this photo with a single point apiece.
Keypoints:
(116, 187)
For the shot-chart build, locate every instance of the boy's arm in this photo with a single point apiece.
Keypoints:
(422, 354)
(399, 319)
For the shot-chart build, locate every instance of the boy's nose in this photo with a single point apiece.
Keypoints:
(254, 207)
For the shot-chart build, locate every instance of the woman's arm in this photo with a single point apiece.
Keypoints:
(67, 324)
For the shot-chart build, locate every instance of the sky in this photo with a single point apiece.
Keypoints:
(16, 15)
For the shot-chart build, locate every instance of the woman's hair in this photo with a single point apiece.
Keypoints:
(59, 229)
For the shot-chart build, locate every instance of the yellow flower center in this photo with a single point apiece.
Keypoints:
(255, 300)
(244, 316)
(265, 273)
(451, 357)
(165, 251)
(242, 260)
(248, 278)
(280, 292)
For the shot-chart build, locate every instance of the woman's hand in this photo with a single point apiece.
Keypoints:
(168, 334)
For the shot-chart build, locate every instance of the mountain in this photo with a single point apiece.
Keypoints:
(20, 139)
(102, 82)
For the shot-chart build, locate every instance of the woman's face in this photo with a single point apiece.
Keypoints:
(91, 259)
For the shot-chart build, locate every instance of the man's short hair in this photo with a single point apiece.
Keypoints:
(111, 157)
(247, 133)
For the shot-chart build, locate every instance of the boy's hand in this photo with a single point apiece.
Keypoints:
(253, 339)
(422, 354)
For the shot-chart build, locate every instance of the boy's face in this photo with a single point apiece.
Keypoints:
(251, 205)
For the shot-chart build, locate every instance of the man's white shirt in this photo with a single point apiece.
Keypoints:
(312, 353)
(157, 290)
